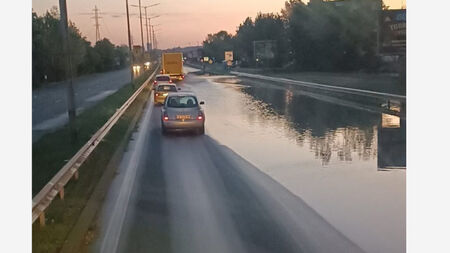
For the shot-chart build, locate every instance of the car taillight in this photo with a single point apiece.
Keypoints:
(155, 82)
(182, 77)
(165, 117)
(156, 94)
(170, 81)
(200, 116)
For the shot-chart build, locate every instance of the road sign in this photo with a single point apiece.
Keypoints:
(392, 25)
(228, 56)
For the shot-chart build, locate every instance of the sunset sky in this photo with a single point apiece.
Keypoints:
(182, 22)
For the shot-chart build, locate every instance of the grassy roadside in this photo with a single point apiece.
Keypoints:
(50, 153)
(53, 150)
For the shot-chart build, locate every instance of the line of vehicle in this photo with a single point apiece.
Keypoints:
(56, 185)
(323, 86)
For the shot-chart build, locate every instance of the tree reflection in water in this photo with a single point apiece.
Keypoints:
(329, 129)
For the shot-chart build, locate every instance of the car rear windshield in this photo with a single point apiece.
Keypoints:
(163, 78)
(167, 88)
(182, 101)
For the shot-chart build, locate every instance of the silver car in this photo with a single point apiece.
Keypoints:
(161, 79)
(182, 111)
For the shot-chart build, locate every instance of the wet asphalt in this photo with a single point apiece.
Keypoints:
(193, 194)
(49, 103)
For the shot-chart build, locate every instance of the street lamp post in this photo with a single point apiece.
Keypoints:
(154, 36)
(129, 44)
(146, 26)
(149, 26)
(140, 18)
(142, 32)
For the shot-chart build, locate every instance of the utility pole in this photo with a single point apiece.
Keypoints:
(379, 9)
(64, 26)
(97, 25)
(146, 26)
(154, 39)
(130, 49)
(142, 32)
(152, 45)
(146, 21)
(149, 26)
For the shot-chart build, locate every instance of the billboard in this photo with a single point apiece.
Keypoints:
(391, 145)
(264, 49)
(228, 56)
(392, 32)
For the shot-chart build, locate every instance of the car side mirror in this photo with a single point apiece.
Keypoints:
(179, 88)
(202, 102)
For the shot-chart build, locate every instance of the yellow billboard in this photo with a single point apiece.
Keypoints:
(228, 56)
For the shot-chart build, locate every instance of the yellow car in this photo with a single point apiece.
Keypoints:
(161, 92)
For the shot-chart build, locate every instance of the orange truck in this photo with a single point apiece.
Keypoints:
(172, 64)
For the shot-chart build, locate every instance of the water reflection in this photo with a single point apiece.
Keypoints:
(392, 139)
(331, 130)
(345, 143)
(323, 150)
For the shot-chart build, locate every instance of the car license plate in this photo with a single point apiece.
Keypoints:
(183, 117)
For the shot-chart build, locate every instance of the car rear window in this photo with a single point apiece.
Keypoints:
(167, 88)
(163, 78)
(182, 101)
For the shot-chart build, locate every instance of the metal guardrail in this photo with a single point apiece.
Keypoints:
(56, 185)
(323, 86)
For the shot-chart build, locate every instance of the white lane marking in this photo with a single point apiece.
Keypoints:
(53, 122)
(318, 85)
(100, 96)
(114, 227)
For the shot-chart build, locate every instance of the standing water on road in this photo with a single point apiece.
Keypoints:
(327, 152)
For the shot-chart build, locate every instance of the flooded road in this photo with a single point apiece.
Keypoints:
(279, 170)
